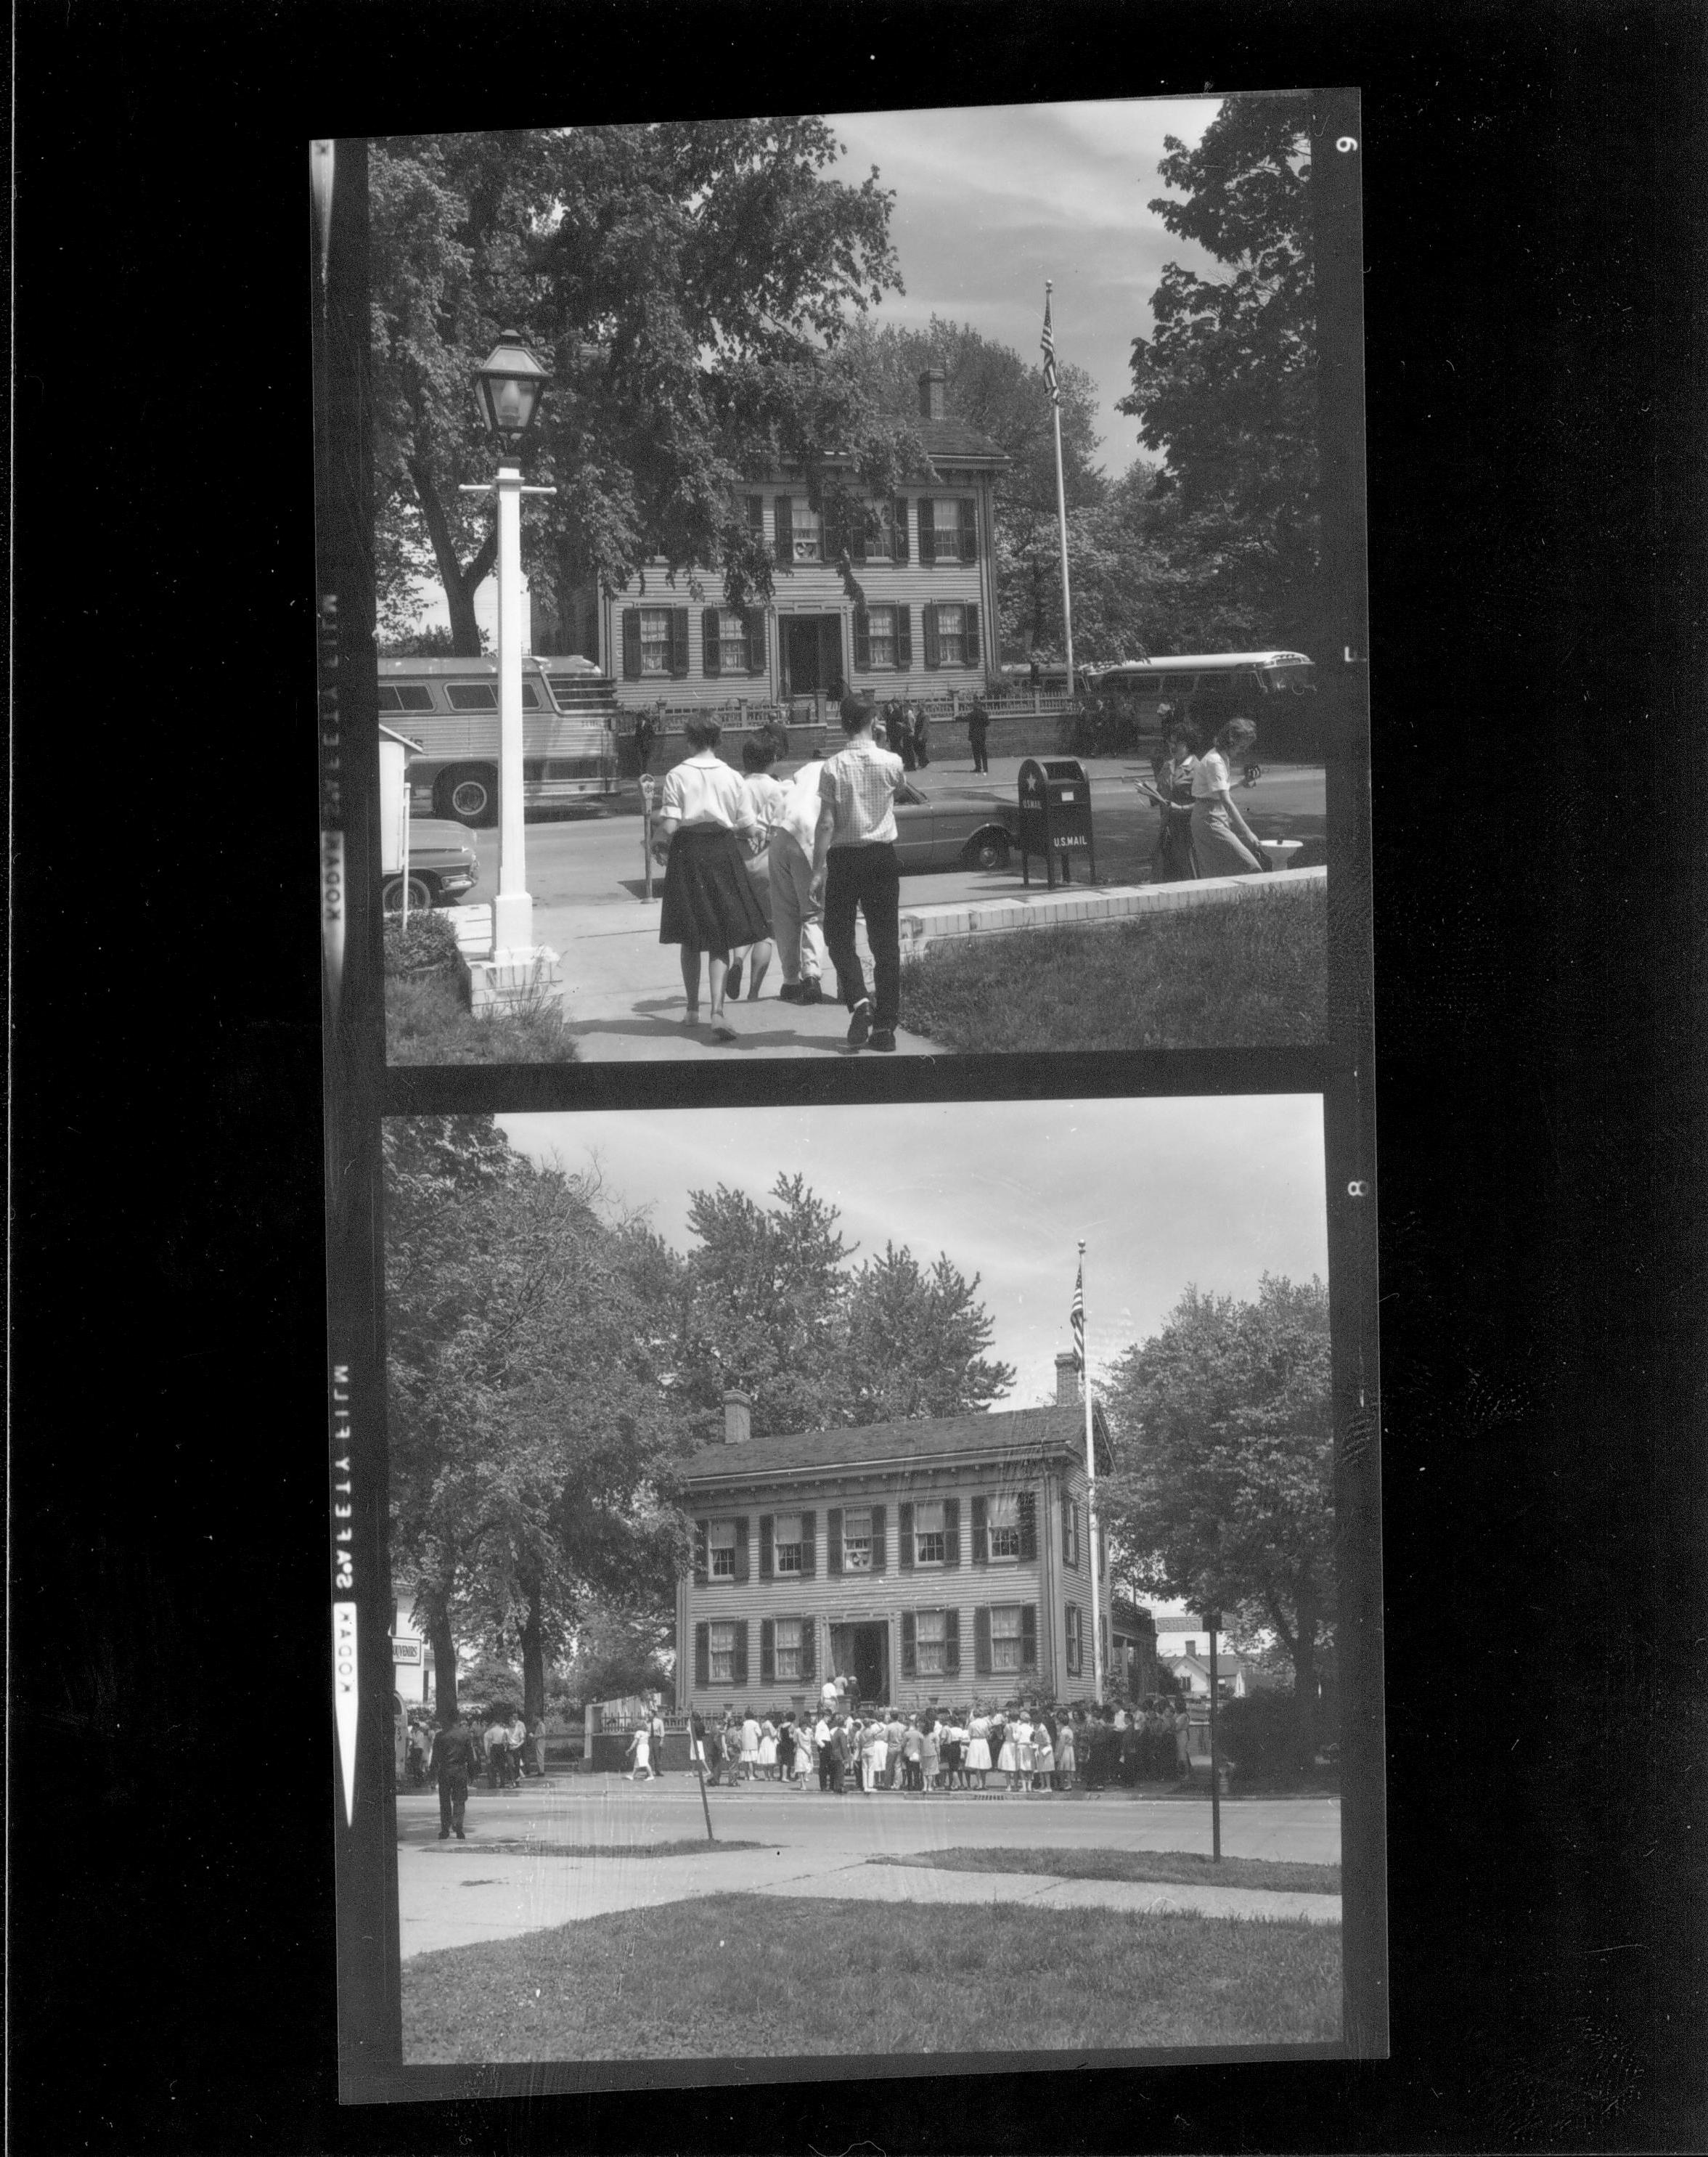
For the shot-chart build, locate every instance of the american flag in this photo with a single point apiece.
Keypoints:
(1047, 346)
(1076, 1318)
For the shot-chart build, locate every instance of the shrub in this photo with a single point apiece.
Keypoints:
(425, 944)
(1259, 1737)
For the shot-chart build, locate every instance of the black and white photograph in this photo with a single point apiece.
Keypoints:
(866, 1581)
(857, 584)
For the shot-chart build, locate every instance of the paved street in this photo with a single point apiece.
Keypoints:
(518, 1872)
(623, 989)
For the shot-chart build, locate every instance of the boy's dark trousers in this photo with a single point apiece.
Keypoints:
(865, 878)
(453, 1796)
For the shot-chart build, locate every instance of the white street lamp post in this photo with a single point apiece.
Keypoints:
(509, 388)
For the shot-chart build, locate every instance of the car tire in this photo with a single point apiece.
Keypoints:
(424, 895)
(468, 794)
(987, 850)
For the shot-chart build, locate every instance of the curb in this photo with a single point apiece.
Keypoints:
(923, 926)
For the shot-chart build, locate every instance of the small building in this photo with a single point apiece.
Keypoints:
(1237, 1676)
(932, 1560)
(898, 598)
(1132, 1648)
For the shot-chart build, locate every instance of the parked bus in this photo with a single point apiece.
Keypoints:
(1207, 686)
(450, 707)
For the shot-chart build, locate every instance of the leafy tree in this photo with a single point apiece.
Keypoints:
(688, 280)
(1226, 386)
(917, 1341)
(1224, 1496)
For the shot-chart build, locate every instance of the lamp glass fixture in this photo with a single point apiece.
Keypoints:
(510, 383)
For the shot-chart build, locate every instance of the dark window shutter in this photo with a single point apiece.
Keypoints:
(969, 530)
(910, 1650)
(880, 1556)
(951, 1643)
(858, 515)
(631, 644)
(981, 1641)
(703, 1656)
(701, 1530)
(904, 1538)
(928, 529)
(971, 640)
(756, 640)
(765, 1545)
(739, 1661)
(862, 641)
(808, 1642)
(783, 537)
(1028, 1523)
(679, 641)
(833, 1540)
(904, 637)
(756, 517)
(768, 1651)
(951, 1532)
(1070, 1644)
(927, 618)
(809, 1555)
(740, 1550)
(1028, 1636)
(901, 527)
(832, 528)
(981, 1540)
(711, 652)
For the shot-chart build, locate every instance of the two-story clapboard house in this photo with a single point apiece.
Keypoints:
(942, 1560)
(920, 617)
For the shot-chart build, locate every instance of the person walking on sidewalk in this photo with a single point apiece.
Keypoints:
(796, 907)
(922, 737)
(978, 731)
(855, 851)
(453, 1762)
(640, 1752)
(708, 901)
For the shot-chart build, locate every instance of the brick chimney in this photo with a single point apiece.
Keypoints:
(931, 384)
(1067, 1381)
(738, 1417)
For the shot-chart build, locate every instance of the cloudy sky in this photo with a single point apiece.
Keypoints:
(1164, 1193)
(991, 200)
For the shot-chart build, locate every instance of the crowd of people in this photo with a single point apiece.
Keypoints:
(843, 1749)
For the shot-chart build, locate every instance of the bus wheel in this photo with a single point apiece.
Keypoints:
(469, 794)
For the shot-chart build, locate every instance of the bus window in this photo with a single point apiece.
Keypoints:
(1176, 685)
(406, 696)
(471, 695)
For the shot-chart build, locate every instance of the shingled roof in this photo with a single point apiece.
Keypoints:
(952, 441)
(1018, 1434)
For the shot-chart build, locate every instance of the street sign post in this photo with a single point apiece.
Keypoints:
(1212, 1625)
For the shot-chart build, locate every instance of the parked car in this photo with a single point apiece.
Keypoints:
(442, 867)
(953, 832)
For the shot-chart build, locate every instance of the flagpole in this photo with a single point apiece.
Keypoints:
(1061, 523)
(1097, 1646)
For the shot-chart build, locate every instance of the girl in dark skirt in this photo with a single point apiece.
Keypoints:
(708, 901)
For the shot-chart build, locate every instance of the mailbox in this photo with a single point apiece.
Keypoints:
(1055, 818)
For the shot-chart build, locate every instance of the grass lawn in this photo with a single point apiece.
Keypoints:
(427, 1021)
(1171, 1867)
(736, 1975)
(1252, 973)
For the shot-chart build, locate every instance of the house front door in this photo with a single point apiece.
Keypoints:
(811, 647)
(861, 1653)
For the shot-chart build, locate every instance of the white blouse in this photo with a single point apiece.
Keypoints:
(1211, 777)
(704, 791)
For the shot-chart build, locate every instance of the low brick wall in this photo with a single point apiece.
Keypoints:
(610, 1752)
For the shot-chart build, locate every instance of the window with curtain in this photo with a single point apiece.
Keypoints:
(720, 1645)
(786, 1546)
(929, 1534)
(1005, 1635)
(1002, 1519)
(881, 626)
(951, 634)
(788, 1647)
(808, 542)
(930, 1631)
(857, 1542)
(655, 639)
(732, 642)
(722, 1550)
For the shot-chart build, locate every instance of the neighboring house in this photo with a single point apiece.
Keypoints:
(1133, 1657)
(903, 603)
(1237, 1676)
(944, 1559)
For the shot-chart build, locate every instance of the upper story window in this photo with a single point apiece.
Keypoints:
(1002, 1519)
(856, 1541)
(886, 536)
(786, 1545)
(655, 639)
(722, 1545)
(929, 1535)
(806, 529)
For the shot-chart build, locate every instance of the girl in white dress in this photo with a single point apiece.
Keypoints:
(640, 1752)
(1023, 1755)
(803, 1755)
(979, 1747)
(1043, 1756)
(767, 1750)
(1006, 1760)
(750, 1739)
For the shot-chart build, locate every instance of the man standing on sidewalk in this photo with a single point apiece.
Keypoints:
(453, 1762)
(855, 853)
